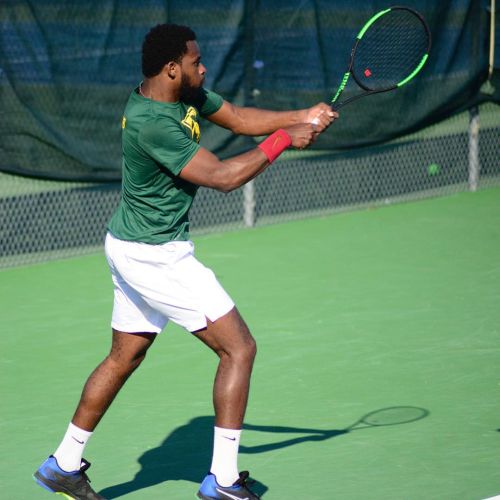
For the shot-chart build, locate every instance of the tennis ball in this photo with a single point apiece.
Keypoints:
(433, 169)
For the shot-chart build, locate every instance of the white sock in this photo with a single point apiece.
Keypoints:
(70, 451)
(225, 458)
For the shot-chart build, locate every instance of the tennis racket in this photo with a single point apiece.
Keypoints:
(389, 51)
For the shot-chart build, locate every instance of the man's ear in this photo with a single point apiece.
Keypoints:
(172, 69)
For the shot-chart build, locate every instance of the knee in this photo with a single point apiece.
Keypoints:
(252, 348)
(126, 365)
(136, 361)
(245, 352)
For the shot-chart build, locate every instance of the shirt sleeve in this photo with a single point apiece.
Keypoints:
(166, 142)
(208, 102)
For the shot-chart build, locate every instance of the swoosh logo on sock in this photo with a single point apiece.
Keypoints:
(228, 495)
(230, 439)
(77, 440)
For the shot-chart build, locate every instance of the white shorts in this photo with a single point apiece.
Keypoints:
(158, 283)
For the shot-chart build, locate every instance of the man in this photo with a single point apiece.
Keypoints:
(155, 273)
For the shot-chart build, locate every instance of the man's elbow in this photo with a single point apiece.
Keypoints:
(226, 187)
(225, 183)
(221, 183)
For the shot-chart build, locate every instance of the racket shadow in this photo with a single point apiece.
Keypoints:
(185, 454)
(383, 417)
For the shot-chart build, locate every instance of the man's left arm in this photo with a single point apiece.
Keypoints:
(255, 121)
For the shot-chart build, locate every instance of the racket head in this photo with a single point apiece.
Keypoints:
(391, 49)
(394, 415)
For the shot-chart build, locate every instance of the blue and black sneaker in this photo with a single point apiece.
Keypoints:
(72, 485)
(211, 490)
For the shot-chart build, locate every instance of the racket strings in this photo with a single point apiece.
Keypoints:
(390, 50)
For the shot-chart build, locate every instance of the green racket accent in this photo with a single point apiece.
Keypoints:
(415, 71)
(342, 85)
(371, 21)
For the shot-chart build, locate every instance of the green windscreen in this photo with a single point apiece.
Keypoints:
(67, 68)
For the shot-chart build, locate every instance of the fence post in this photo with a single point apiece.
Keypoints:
(250, 7)
(249, 204)
(474, 166)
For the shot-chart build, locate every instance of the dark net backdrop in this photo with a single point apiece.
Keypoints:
(66, 69)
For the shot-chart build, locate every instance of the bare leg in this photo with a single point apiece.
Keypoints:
(231, 340)
(127, 352)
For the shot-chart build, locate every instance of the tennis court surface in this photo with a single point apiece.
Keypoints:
(397, 307)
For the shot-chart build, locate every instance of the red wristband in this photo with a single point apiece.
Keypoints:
(275, 144)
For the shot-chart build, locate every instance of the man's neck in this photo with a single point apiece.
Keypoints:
(153, 88)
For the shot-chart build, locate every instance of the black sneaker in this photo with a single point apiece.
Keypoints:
(211, 490)
(72, 485)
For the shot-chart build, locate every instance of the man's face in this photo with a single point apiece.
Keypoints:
(193, 71)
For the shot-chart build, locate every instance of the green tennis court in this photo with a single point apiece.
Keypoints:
(393, 307)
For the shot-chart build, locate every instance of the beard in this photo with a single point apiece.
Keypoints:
(189, 92)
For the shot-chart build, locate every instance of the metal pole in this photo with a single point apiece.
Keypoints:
(492, 40)
(249, 204)
(474, 166)
(249, 187)
(487, 87)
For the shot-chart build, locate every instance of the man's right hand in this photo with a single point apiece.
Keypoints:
(302, 134)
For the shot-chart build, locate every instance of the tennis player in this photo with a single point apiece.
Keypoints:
(155, 273)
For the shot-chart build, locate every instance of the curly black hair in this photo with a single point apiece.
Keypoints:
(164, 43)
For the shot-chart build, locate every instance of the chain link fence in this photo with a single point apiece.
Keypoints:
(67, 68)
(42, 220)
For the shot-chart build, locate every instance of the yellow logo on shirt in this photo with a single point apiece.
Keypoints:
(191, 123)
(124, 122)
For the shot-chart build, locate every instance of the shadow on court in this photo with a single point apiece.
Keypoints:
(186, 453)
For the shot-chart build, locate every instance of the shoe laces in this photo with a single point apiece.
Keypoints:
(83, 467)
(244, 481)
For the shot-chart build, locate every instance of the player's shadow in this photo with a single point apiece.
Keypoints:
(186, 453)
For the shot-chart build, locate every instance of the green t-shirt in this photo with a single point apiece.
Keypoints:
(158, 140)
